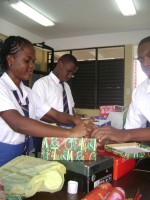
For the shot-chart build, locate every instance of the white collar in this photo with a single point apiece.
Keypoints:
(54, 77)
(11, 85)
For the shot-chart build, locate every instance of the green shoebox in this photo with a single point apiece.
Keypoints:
(56, 148)
(89, 174)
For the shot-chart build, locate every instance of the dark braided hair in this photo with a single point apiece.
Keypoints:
(12, 45)
(147, 39)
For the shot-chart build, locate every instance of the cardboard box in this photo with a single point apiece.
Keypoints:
(121, 166)
(99, 117)
(105, 110)
(89, 174)
(101, 123)
(117, 119)
(54, 148)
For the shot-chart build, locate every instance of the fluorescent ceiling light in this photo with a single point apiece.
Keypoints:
(126, 7)
(30, 12)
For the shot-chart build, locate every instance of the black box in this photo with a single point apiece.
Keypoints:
(89, 174)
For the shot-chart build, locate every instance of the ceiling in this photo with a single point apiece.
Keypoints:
(79, 17)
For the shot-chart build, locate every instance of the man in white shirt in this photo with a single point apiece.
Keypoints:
(138, 117)
(50, 89)
(139, 110)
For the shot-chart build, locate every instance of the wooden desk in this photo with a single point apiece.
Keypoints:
(131, 183)
(134, 181)
(61, 195)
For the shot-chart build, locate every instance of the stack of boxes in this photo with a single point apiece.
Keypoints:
(85, 162)
(117, 115)
(105, 110)
(80, 158)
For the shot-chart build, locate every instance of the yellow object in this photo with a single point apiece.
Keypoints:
(27, 175)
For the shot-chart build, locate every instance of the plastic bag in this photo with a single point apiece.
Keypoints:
(27, 175)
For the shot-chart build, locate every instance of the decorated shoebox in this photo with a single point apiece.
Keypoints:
(55, 148)
(121, 166)
(129, 150)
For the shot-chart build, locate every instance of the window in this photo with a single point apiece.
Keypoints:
(100, 77)
(83, 85)
(110, 82)
(57, 55)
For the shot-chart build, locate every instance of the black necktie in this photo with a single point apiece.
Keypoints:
(25, 109)
(65, 101)
(147, 124)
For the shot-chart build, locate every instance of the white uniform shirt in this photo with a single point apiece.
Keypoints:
(50, 89)
(139, 110)
(37, 108)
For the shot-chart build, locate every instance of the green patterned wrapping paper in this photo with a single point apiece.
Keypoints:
(54, 148)
(129, 150)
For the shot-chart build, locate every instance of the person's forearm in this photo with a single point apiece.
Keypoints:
(68, 119)
(32, 127)
(48, 119)
(36, 128)
(141, 134)
(64, 117)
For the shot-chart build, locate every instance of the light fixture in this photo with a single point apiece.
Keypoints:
(30, 12)
(126, 7)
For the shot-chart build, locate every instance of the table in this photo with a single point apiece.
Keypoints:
(138, 179)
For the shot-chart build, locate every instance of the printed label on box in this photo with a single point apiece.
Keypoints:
(105, 110)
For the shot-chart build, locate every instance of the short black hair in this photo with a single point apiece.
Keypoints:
(68, 58)
(147, 39)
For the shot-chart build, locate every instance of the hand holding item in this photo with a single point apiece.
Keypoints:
(89, 125)
(108, 133)
(79, 130)
(83, 129)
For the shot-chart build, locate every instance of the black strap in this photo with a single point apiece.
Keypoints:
(25, 109)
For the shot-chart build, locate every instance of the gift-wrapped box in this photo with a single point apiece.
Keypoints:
(129, 150)
(121, 166)
(54, 148)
